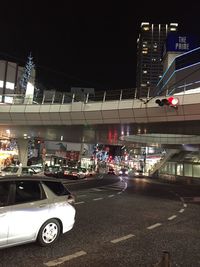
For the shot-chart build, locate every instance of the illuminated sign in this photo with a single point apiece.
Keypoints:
(180, 43)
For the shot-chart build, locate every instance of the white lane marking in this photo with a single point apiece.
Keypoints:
(65, 258)
(122, 238)
(125, 186)
(181, 210)
(119, 192)
(96, 189)
(154, 226)
(82, 195)
(172, 217)
(80, 202)
(185, 205)
(99, 198)
(111, 195)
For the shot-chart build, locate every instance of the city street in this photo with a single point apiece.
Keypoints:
(122, 222)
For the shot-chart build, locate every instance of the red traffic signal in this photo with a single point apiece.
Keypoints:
(171, 101)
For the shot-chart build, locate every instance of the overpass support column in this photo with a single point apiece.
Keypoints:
(23, 151)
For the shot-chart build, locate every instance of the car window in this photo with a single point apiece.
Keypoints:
(4, 193)
(57, 188)
(28, 191)
(10, 169)
(27, 171)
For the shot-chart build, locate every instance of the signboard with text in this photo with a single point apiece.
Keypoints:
(180, 43)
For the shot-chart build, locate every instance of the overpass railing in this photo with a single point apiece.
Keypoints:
(55, 97)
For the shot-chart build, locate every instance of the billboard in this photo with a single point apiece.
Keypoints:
(181, 43)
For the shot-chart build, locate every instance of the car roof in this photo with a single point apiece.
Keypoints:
(29, 178)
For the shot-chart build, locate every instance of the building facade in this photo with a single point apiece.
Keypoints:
(10, 76)
(150, 45)
(182, 76)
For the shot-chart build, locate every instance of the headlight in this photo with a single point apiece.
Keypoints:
(120, 172)
(126, 172)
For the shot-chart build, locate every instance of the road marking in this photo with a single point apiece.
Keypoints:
(154, 226)
(122, 238)
(172, 217)
(82, 195)
(182, 210)
(185, 205)
(100, 198)
(65, 258)
(96, 189)
(111, 195)
(80, 202)
(119, 192)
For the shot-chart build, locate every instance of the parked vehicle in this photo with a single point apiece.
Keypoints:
(53, 171)
(34, 209)
(17, 171)
(72, 173)
(111, 171)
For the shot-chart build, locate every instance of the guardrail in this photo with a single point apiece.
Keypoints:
(55, 97)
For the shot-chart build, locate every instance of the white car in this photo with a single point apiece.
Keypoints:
(17, 171)
(34, 209)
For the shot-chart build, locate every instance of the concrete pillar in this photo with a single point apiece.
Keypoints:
(23, 151)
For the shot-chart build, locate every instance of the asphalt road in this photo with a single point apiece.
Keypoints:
(122, 222)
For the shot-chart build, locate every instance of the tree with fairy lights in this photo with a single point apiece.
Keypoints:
(27, 73)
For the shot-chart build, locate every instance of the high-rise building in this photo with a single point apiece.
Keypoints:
(149, 55)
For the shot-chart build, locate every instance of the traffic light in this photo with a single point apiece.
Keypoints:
(170, 101)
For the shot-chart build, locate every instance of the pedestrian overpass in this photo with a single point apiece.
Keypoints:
(103, 121)
(113, 122)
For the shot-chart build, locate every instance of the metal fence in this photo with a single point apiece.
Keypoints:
(55, 97)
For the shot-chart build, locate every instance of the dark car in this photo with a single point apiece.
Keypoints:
(123, 172)
(111, 171)
(53, 171)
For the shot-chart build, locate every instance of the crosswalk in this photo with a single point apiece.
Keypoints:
(117, 187)
(113, 188)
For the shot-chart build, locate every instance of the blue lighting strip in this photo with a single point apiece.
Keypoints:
(177, 71)
(191, 51)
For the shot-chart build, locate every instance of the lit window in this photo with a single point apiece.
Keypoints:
(8, 99)
(174, 24)
(173, 29)
(1, 84)
(144, 71)
(146, 28)
(144, 52)
(144, 23)
(10, 85)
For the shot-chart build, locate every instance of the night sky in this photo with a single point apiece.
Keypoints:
(85, 44)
